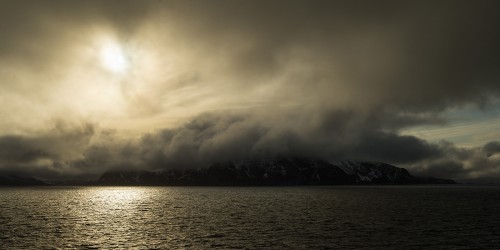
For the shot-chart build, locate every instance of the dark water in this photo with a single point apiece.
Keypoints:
(243, 217)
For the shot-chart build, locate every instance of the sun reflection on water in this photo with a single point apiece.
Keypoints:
(117, 198)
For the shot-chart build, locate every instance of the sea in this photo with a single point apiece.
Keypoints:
(319, 217)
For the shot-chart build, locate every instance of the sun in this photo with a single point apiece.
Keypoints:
(113, 58)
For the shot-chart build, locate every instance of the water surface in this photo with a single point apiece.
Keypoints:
(381, 217)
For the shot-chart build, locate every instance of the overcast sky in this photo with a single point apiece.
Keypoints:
(86, 86)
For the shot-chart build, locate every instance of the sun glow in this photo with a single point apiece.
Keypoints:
(113, 58)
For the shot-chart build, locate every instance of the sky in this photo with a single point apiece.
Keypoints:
(88, 86)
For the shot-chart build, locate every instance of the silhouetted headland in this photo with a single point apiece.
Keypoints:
(279, 171)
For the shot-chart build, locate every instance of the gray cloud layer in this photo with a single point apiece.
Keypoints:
(336, 79)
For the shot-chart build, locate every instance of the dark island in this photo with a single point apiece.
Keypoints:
(279, 171)
(14, 180)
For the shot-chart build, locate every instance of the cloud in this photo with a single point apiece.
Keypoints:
(86, 151)
(45, 153)
(214, 81)
(395, 148)
(407, 56)
(463, 164)
(492, 148)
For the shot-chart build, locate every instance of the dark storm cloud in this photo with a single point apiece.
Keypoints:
(215, 137)
(212, 138)
(444, 169)
(463, 164)
(402, 55)
(405, 55)
(395, 148)
(492, 148)
(335, 79)
(46, 154)
(209, 138)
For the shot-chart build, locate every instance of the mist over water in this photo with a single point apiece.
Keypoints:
(247, 217)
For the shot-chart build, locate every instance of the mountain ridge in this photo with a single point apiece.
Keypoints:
(14, 180)
(277, 171)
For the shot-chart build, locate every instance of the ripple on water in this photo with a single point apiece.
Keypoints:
(282, 217)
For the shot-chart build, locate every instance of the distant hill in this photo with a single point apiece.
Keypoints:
(282, 171)
(382, 173)
(13, 180)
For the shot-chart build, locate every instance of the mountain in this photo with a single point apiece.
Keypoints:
(13, 180)
(281, 171)
(275, 171)
(382, 173)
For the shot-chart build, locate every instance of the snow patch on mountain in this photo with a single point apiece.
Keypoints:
(368, 172)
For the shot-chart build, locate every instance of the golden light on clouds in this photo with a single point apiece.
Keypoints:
(211, 80)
